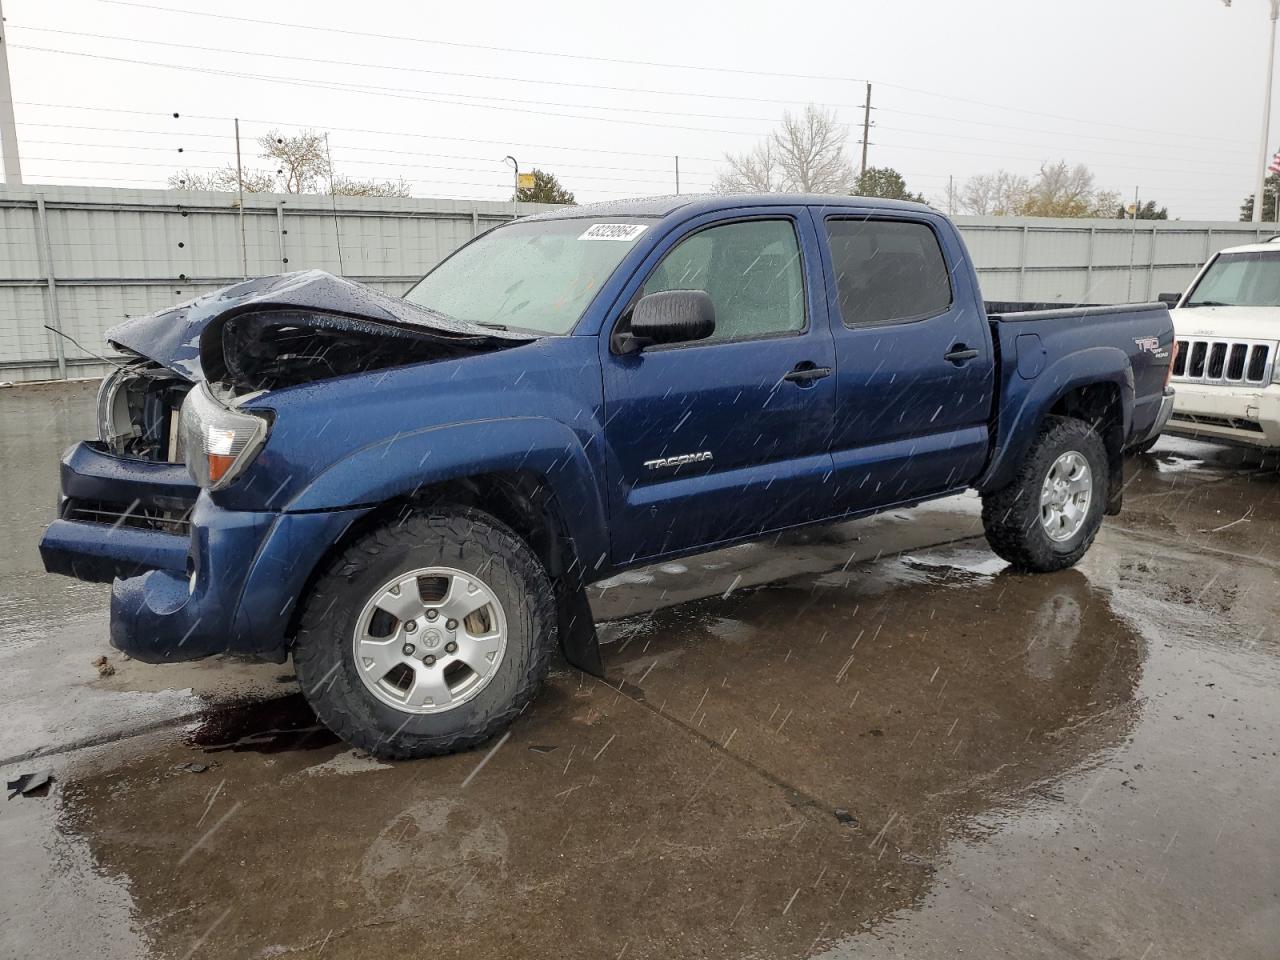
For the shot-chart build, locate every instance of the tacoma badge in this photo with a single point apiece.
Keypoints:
(678, 461)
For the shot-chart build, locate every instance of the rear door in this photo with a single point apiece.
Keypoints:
(914, 364)
(726, 437)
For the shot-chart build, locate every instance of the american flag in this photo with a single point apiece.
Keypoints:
(1275, 163)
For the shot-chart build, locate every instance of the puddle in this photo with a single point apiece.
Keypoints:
(261, 726)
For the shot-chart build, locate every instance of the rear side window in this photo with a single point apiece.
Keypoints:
(887, 270)
(750, 269)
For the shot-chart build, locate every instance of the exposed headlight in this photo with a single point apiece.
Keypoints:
(218, 442)
(114, 422)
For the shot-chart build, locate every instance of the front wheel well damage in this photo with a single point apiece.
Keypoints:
(1101, 406)
(522, 500)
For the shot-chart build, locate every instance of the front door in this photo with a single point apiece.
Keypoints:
(726, 437)
(913, 359)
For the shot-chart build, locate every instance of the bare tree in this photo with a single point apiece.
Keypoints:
(302, 162)
(223, 180)
(999, 194)
(806, 155)
(753, 172)
(1068, 191)
(810, 151)
(347, 187)
(1059, 190)
(301, 165)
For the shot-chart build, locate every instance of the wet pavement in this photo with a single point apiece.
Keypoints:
(868, 741)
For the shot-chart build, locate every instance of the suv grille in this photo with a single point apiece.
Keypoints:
(1207, 360)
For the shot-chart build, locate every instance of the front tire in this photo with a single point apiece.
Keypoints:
(426, 636)
(1047, 517)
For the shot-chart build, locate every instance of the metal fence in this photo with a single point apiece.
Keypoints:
(1095, 261)
(80, 259)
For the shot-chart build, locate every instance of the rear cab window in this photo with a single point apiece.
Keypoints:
(887, 271)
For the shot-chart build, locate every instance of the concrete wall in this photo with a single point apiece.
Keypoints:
(84, 258)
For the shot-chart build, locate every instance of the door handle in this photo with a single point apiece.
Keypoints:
(959, 354)
(806, 373)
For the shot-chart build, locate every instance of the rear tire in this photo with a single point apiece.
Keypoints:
(426, 636)
(1047, 517)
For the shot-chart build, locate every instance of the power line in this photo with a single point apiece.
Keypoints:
(650, 63)
(380, 151)
(308, 125)
(366, 163)
(401, 94)
(560, 83)
(426, 70)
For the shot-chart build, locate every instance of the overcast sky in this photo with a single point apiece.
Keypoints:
(1162, 95)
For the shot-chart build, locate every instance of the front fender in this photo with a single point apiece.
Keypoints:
(1026, 403)
(401, 466)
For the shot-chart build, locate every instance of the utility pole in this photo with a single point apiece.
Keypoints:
(677, 176)
(867, 123)
(951, 195)
(1259, 195)
(8, 126)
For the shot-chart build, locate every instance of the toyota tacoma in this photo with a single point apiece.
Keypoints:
(409, 495)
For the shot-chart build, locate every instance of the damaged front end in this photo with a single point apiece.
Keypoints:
(198, 568)
(269, 349)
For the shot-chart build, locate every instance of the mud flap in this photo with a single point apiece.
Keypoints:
(1115, 473)
(578, 640)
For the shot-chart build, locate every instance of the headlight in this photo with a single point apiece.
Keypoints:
(114, 423)
(218, 442)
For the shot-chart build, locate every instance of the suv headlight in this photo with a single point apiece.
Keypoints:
(217, 441)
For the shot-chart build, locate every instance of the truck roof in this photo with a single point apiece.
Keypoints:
(710, 202)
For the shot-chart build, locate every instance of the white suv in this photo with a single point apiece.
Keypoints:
(1227, 326)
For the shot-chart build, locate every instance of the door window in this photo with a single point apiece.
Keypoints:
(887, 270)
(751, 270)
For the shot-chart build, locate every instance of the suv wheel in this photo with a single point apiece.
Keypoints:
(427, 636)
(1048, 516)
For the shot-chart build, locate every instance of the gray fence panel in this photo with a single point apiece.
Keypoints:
(125, 253)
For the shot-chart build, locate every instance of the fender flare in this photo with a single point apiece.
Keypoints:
(1082, 368)
(401, 466)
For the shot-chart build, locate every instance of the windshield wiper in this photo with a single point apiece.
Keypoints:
(1210, 303)
(505, 328)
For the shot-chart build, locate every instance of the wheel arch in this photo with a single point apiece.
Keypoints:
(523, 500)
(1095, 385)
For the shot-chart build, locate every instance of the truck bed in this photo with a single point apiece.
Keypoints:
(1044, 355)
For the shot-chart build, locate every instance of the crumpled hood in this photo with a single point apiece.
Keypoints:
(171, 337)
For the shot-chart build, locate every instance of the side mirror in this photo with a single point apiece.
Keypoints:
(1170, 298)
(668, 316)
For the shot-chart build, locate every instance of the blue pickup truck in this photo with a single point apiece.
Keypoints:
(410, 495)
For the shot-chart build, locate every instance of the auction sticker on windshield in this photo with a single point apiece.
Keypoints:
(614, 231)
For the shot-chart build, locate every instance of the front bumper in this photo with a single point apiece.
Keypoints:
(230, 584)
(1248, 416)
